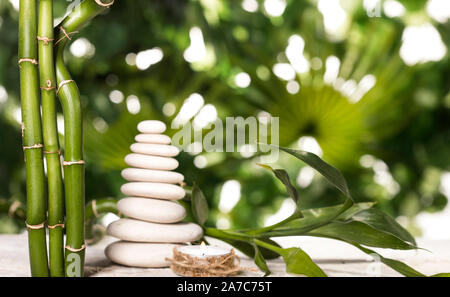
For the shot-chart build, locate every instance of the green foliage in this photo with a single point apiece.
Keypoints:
(383, 222)
(298, 262)
(356, 224)
(333, 175)
(283, 176)
(402, 121)
(362, 233)
(260, 261)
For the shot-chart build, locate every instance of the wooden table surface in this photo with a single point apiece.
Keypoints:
(334, 257)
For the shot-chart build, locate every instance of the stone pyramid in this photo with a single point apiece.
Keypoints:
(154, 220)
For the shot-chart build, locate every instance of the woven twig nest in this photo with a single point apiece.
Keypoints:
(187, 265)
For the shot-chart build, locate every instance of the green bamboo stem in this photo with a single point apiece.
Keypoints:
(95, 208)
(73, 154)
(268, 246)
(100, 206)
(32, 138)
(50, 132)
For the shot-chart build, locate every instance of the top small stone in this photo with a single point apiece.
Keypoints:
(151, 127)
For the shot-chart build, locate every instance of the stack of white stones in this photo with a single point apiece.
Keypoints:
(153, 225)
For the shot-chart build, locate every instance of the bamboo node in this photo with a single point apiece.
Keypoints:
(46, 40)
(94, 208)
(32, 61)
(64, 82)
(68, 163)
(34, 146)
(48, 86)
(55, 226)
(99, 2)
(53, 152)
(35, 227)
(66, 34)
(186, 265)
(83, 246)
(13, 207)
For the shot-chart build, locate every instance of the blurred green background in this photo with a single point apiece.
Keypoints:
(364, 84)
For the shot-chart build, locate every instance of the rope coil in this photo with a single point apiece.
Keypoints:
(83, 246)
(64, 82)
(35, 227)
(186, 265)
(99, 2)
(32, 61)
(68, 163)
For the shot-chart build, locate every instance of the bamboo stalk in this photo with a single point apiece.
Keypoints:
(32, 138)
(51, 144)
(101, 206)
(73, 156)
(95, 232)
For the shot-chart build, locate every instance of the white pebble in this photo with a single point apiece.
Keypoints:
(153, 138)
(148, 175)
(151, 210)
(151, 162)
(138, 254)
(139, 231)
(153, 190)
(153, 127)
(155, 149)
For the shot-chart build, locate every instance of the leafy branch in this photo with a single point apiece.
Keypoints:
(357, 224)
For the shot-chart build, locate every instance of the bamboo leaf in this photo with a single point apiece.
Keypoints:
(317, 217)
(444, 274)
(199, 205)
(305, 225)
(245, 246)
(362, 234)
(315, 213)
(383, 222)
(333, 175)
(260, 261)
(283, 176)
(398, 266)
(299, 262)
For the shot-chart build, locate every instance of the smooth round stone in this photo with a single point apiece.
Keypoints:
(151, 210)
(163, 150)
(153, 138)
(138, 254)
(153, 190)
(148, 175)
(154, 127)
(140, 231)
(151, 162)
